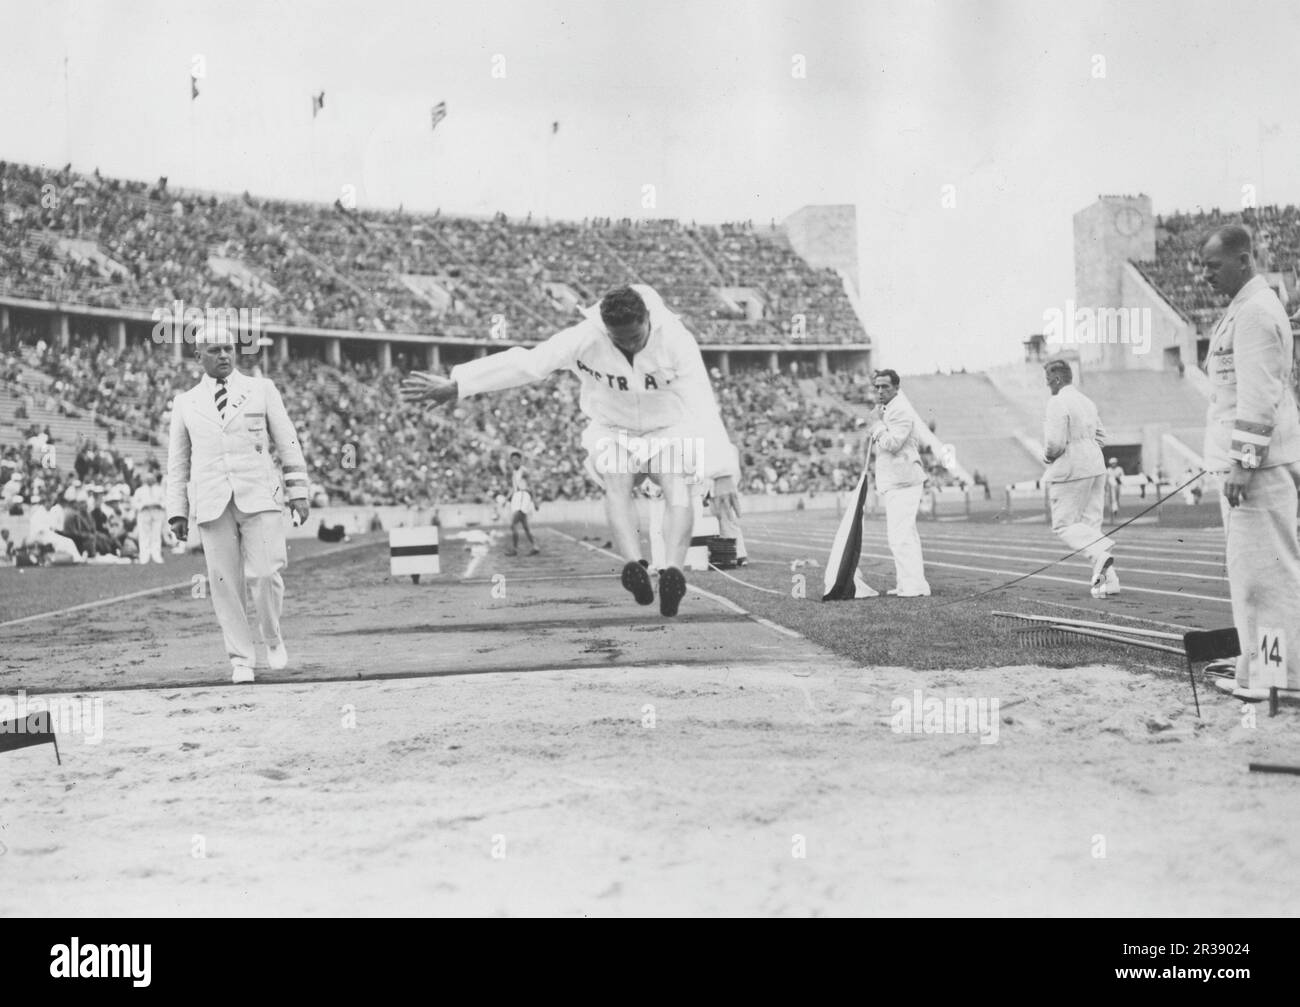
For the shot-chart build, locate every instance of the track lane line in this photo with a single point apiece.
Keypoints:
(1016, 573)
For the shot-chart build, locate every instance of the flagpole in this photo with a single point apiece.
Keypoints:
(67, 112)
(548, 169)
(194, 138)
(311, 152)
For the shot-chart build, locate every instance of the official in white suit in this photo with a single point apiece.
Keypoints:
(1076, 475)
(896, 433)
(222, 435)
(1252, 443)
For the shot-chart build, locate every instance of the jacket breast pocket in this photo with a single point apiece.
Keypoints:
(1222, 369)
(255, 426)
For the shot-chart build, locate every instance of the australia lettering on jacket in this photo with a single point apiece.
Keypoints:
(615, 381)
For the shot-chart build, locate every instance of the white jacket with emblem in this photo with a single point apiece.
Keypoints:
(232, 458)
(664, 387)
(1250, 359)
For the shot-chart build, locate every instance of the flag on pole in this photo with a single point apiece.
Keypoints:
(842, 580)
(317, 104)
(439, 113)
(194, 87)
(555, 128)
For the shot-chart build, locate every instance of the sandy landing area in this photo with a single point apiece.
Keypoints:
(560, 751)
(549, 793)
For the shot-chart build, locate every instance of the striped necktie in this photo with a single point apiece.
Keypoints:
(221, 397)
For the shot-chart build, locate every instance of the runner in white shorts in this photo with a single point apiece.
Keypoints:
(652, 410)
(521, 505)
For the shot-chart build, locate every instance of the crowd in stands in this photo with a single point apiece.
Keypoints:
(133, 387)
(85, 513)
(363, 447)
(111, 243)
(1177, 271)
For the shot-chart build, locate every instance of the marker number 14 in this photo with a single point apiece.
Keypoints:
(1270, 662)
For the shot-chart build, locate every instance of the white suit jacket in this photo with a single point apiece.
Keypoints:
(665, 385)
(232, 458)
(1252, 409)
(898, 439)
(1072, 437)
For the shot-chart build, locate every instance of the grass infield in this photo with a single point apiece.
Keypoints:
(925, 633)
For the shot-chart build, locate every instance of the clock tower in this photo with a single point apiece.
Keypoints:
(1107, 235)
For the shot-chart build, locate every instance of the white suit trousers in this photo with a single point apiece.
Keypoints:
(1076, 515)
(245, 548)
(1264, 569)
(149, 531)
(904, 541)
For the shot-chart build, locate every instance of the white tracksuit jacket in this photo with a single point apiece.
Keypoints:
(665, 387)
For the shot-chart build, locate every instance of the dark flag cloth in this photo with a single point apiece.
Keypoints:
(194, 87)
(317, 104)
(555, 128)
(33, 729)
(439, 113)
(842, 578)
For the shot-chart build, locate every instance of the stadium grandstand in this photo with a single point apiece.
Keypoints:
(102, 243)
(351, 299)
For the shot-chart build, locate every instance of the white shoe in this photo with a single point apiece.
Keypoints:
(1099, 569)
(277, 657)
(1112, 581)
(1229, 685)
(242, 674)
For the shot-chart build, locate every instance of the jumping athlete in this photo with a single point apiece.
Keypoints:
(651, 409)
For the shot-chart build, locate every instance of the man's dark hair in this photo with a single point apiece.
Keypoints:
(622, 307)
(893, 377)
(1061, 367)
(516, 454)
(1235, 239)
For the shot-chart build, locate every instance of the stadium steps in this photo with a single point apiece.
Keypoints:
(323, 264)
(632, 274)
(1129, 401)
(1138, 398)
(707, 259)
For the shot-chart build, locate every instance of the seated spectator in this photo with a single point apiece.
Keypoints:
(42, 535)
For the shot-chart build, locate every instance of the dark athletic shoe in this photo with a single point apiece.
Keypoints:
(672, 589)
(636, 578)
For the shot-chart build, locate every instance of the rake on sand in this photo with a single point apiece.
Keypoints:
(1048, 631)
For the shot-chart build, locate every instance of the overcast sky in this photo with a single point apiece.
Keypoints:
(1028, 109)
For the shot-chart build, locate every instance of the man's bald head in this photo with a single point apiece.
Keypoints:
(1234, 239)
(1228, 259)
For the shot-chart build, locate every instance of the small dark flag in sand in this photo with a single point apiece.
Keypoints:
(33, 729)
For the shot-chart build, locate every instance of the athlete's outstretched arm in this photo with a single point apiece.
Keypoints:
(497, 371)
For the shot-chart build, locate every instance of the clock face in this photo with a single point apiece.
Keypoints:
(1128, 221)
